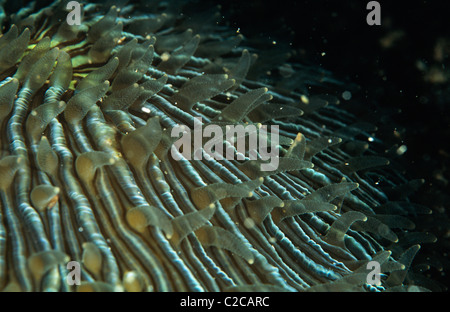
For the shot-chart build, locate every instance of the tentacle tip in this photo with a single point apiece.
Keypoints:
(66, 259)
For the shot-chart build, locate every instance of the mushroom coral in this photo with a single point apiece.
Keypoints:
(87, 168)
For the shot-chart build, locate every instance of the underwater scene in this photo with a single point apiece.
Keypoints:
(224, 146)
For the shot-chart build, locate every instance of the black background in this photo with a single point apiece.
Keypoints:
(353, 51)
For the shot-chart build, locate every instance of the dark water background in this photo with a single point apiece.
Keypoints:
(387, 76)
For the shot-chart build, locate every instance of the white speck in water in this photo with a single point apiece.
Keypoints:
(346, 95)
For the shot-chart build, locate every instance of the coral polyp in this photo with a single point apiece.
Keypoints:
(88, 175)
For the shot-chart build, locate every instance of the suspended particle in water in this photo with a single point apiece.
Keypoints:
(346, 95)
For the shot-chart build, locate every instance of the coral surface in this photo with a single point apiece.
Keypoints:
(89, 174)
